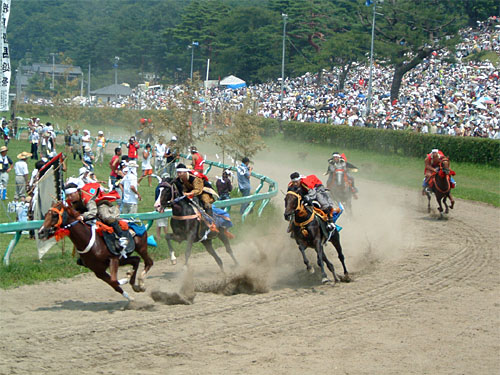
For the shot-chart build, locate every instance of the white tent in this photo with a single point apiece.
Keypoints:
(233, 82)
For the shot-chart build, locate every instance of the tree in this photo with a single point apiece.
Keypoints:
(409, 31)
(183, 116)
(243, 135)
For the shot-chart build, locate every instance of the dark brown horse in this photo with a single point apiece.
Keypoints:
(187, 224)
(306, 229)
(93, 250)
(440, 185)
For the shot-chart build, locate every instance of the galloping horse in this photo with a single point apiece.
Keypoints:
(339, 187)
(188, 226)
(307, 232)
(440, 185)
(93, 250)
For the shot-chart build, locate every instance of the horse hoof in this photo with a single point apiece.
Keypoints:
(325, 280)
(345, 279)
(137, 288)
(310, 270)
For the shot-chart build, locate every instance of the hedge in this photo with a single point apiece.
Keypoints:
(407, 143)
(104, 115)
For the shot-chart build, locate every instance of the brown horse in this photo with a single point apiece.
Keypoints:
(93, 250)
(440, 185)
(306, 229)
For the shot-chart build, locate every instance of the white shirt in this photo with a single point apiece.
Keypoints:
(21, 168)
(146, 163)
(128, 181)
(85, 141)
(160, 150)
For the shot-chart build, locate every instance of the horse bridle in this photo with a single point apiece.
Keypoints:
(62, 217)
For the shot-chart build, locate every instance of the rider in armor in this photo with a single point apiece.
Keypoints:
(339, 161)
(196, 185)
(432, 162)
(314, 191)
(82, 198)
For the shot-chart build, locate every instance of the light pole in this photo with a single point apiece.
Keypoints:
(285, 17)
(192, 45)
(18, 84)
(115, 65)
(53, 69)
(369, 99)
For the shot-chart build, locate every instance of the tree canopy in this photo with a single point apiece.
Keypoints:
(239, 37)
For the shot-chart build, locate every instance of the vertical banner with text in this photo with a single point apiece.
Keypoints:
(4, 48)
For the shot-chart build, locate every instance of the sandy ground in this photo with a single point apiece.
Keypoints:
(424, 300)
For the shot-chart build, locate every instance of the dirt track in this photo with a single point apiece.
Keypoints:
(424, 300)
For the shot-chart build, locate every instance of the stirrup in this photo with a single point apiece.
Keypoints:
(123, 241)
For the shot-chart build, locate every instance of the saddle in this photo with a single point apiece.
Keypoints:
(112, 240)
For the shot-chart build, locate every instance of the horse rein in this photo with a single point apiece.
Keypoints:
(300, 208)
(173, 190)
(59, 225)
(447, 177)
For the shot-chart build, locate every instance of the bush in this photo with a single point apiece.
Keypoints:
(407, 143)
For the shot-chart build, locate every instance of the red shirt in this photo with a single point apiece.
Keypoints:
(198, 163)
(132, 150)
(114, 167)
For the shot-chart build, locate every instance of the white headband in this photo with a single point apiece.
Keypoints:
(183, 170)
(296, 179)
(70, 190)
(334, 155)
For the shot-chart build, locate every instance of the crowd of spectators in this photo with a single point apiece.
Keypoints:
(449, 93)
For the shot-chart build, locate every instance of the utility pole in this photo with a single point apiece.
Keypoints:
(285, 17)
(53, 69)
(369, 100)
(193, 44)
(88, 84)
(115, 65)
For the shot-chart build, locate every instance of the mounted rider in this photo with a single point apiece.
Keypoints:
(94, 204)
(312, 190)
(339, 161)
(195, 186)
(432, 162)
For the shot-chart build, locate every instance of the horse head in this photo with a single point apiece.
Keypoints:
(56, 217)
(293, 202)
(444, 167)
(168, 192)
(339, 177)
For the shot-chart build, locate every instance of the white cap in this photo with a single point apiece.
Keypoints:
(82, 170)
(435, 151)
(100, 132)
(174, 138)
(86, 131)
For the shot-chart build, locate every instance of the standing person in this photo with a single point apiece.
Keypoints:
(22, 175)
(88, 158)
(113, 165)
(147, 168)
(5, 168)
(100, 144)
(197, 160)
(132, 146)
(172, 155)
(76, 144)
(67, 139)
(159, 154)
(34, 138)
(86, 140)
(224, 185)
(129, 189)
(244, 173)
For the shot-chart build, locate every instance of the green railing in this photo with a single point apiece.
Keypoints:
(149, 217)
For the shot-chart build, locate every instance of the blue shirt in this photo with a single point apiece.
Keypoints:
(243, 177)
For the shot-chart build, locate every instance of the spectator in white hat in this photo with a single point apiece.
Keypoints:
(22, 173)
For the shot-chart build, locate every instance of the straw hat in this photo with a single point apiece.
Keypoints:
(24, 155)
(3, 148)
(87, 149)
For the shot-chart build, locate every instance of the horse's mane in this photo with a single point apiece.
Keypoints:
(70, 211)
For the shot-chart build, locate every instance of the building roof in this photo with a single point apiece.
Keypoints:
(113, 90)
(58, 68)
